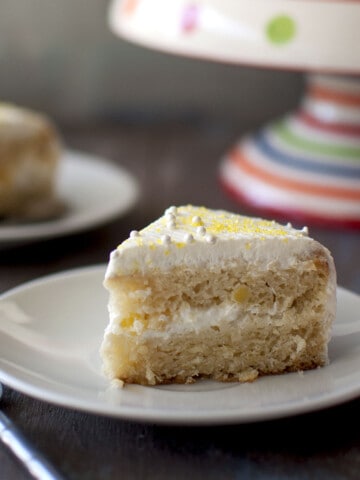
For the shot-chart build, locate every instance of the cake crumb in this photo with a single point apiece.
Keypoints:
(116, 383)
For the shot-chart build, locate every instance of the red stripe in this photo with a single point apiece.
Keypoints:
(343, 128)
(337, 96)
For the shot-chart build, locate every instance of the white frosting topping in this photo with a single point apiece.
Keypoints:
(171, 224)
(194, 236)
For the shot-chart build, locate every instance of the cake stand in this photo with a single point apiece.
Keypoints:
(304, 167)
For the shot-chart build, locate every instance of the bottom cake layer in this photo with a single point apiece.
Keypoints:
(233, 323)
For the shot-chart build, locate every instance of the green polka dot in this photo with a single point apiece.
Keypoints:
(281, 29)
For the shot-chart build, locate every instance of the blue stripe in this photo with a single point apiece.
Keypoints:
(302, 163)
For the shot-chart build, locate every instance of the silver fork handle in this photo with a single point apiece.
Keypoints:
(35, 463)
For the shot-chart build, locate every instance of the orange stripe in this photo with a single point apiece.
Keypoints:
(323, 93)
(129, 6)
(239, 158)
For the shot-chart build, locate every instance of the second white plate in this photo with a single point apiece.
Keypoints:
(51, 330)
(95, 192)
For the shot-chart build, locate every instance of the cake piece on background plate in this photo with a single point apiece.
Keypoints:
(30, 150)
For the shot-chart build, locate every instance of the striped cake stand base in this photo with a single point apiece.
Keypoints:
(306, 166)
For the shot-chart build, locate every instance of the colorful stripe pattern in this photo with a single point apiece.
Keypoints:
(306, 166)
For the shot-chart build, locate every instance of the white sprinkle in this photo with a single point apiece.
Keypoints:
(289, 225)
(196, 220)
(201, 230)
(210, 238)
(188, 238)
(170, 219)
(166, 239)
(171, 224)
(134, 234)
(172, 210)
(305, 230)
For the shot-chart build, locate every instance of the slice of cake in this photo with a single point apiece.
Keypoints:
(207, 293)
(29, 156)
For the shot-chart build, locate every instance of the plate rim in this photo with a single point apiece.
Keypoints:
(152, 415)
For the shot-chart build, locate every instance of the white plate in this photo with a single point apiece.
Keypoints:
(51, 329)
(95, 192)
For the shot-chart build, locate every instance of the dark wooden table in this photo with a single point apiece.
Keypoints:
(175, 163)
